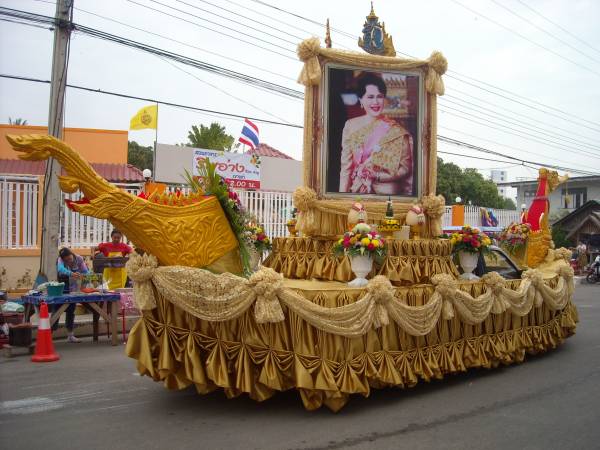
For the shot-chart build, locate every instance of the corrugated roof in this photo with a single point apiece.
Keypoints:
(267, 150)
(117, 173)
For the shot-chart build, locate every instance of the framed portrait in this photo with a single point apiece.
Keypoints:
(373, 121)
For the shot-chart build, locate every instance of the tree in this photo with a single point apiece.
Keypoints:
(559, 237)
(469, 185)
(17, 121)
(212, 137)
(140, 156)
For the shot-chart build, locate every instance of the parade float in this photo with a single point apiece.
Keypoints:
(301, 321)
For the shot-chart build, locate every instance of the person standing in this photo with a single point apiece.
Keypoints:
(582, 258)
(69, 265)
(116, 277)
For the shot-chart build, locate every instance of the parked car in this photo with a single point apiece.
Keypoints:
(497, 260)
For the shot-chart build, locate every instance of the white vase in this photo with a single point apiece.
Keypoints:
(468, 262)
(361, 266)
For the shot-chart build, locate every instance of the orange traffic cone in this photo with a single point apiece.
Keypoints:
(44, 348)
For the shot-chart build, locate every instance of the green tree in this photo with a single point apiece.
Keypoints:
(212, 137)
(17, 121)
(469, 185)
(140, 156)
(559, 237)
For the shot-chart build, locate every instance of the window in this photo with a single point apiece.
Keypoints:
(573, 198)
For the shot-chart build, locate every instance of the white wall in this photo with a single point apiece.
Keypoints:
(276, 174)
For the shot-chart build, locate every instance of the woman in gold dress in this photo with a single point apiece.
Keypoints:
(376, 151)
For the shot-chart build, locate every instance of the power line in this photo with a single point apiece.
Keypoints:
(522, 134)
(237, 14)
(223, 91)
(253, 81)
(558, 26)
(153, 100)
(225, 114)
(492, 152)
(457, 76)
(507, 119)
(511, 111)
(496, 143)
(524, 19)
(220, 32)
(181, 43)
(510, 30)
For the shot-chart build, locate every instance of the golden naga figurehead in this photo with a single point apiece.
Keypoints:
(195, 235)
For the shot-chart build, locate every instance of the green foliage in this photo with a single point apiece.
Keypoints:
(211, 183)
(212, 137)
(140, 156)
(559, 237)
(469, 185)
(17, 121)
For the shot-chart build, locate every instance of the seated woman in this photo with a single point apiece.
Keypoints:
(376, 151)
(69, 265)
(116, 277)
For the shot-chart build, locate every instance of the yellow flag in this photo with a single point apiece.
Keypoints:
(147, 117)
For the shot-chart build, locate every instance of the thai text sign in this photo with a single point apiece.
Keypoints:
(241, 171)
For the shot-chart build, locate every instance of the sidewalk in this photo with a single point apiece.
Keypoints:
(84, 325)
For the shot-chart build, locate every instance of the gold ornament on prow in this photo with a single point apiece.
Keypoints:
(415, 218)
(389, 226)
(357, 214)
(327, 35)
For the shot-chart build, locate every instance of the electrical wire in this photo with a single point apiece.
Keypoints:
(558, 26)
(244, 63)
(511, 30)
(507, 119)
(553, 36)
(221, 113)
(219, 32)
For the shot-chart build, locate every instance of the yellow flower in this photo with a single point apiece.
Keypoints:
(365, 241)
(375, 243)
(353, 240)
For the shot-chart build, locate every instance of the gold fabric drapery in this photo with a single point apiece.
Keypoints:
(407, 262)
(329, 341)
(322, 217)
(242, 356)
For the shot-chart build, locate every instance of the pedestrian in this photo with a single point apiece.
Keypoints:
(69, 265)
(582, 258)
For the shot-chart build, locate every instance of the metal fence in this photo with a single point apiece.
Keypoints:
(21, 199)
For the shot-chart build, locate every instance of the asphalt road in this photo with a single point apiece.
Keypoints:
(93, 399)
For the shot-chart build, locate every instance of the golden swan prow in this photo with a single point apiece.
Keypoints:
(196, 235)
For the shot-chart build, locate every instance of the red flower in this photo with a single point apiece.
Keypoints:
(371, 247)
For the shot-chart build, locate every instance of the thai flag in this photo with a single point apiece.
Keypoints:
(249, 135)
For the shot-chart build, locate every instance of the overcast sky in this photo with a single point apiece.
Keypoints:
(475, 47)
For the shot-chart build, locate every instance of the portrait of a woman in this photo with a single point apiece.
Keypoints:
(377, 152)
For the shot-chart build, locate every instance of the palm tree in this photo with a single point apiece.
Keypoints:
(18, 121)
(212, 137)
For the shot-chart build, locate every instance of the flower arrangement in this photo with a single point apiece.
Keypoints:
(258, 238)
(360, 241)
(514, 236)
(211, 183)
(470, 240)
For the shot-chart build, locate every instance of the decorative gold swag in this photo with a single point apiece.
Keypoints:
(219, 298)
(329, 217)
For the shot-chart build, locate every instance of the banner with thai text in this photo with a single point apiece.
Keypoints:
(240, 171)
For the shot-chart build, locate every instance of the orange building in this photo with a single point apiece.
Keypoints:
(95, 146)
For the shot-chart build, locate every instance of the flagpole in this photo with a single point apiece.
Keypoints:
(155, 144)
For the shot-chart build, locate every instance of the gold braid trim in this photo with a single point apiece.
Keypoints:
(220, 298)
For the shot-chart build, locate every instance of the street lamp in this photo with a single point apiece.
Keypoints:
(147, 174)
(458, 200)
(523, 207)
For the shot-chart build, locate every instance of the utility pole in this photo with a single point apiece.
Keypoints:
(52, 196)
